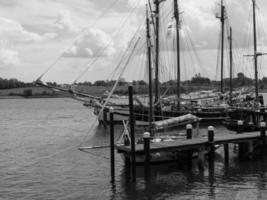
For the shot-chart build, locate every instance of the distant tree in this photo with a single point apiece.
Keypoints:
(264, 80)
(88, 83)
(262, 86)
(141, 82)
(49, 83)
(240, 75)
(100, 83)
(122, 82)
(200, 80)
(27, 93)
(170, 83)
(242, 80)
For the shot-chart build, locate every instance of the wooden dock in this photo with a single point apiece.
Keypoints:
(194, 143)
(249, 144)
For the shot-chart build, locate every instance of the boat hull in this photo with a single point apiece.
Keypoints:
(250, 118)
(142, 117)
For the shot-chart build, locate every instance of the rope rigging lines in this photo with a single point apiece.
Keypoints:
(118, 29)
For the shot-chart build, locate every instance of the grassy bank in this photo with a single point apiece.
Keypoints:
(42, 92)
(30, 92)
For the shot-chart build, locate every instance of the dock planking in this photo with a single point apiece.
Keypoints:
(194, 143)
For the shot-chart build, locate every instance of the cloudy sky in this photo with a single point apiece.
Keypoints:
(36, 34)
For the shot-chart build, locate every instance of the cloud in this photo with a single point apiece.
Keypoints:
(13, 31)
(64, 22)
(8, 3)
(90, 43)
(135, 3)
(9, 58)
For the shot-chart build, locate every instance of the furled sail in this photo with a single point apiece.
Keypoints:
(176, 121)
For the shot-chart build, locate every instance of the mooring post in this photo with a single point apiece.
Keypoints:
(189, 152)
(250, 149)
(226, 153)
(211, 142)
(112, 156)
(263, 136)
(146, 137)
(132, 132)
(239, 126)
(211, 152)
(188, 131)
(201, 158)
(241, 146)
(197, 129)
(254, 118)
(105, 118)
(262, 113)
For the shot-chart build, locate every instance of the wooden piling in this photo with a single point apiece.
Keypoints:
(241, 146)
(226, 153)
(132, 132)
(105, 118)
(250, 149)
(263, 136)
(239, 126)
(211, 143)
(254, 118)
(201, 158)
(146, 137)
(127, 165)
(197, 129)
(188, 131)
(112, 156)
(189, 152)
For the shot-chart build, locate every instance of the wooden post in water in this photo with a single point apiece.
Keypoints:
(226, 153)
(197, 129)
(241, 146)
(188, 131)
(105, 118)
(146, 137)
(250, 148)
(201, 158)
(112, 157)
(211, 143)
(211, 152)
(239, 126)
(189, 136)
(132, 132)
(263, 136)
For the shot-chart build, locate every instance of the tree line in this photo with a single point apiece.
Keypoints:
(197, 80)
(13, 83)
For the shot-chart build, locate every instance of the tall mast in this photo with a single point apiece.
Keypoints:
(177, 20)
(222, 18)
(255, 50)
(231, 65)
(156, 2)
(149, 71)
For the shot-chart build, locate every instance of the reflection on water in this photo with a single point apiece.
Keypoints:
(171, 181)
(39, 159)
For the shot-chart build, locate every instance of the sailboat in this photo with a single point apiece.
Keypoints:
(157, 129)
(169, 107)
(254, 111)
(162, 109)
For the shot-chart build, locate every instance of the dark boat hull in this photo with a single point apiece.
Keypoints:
(141, 115)
(251, 119)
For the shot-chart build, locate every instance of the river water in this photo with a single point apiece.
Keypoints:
(39, 159)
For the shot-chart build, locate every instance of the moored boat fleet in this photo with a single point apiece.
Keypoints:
(162, 116)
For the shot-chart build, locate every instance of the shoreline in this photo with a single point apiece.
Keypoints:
(50, 96)
(31, 97)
